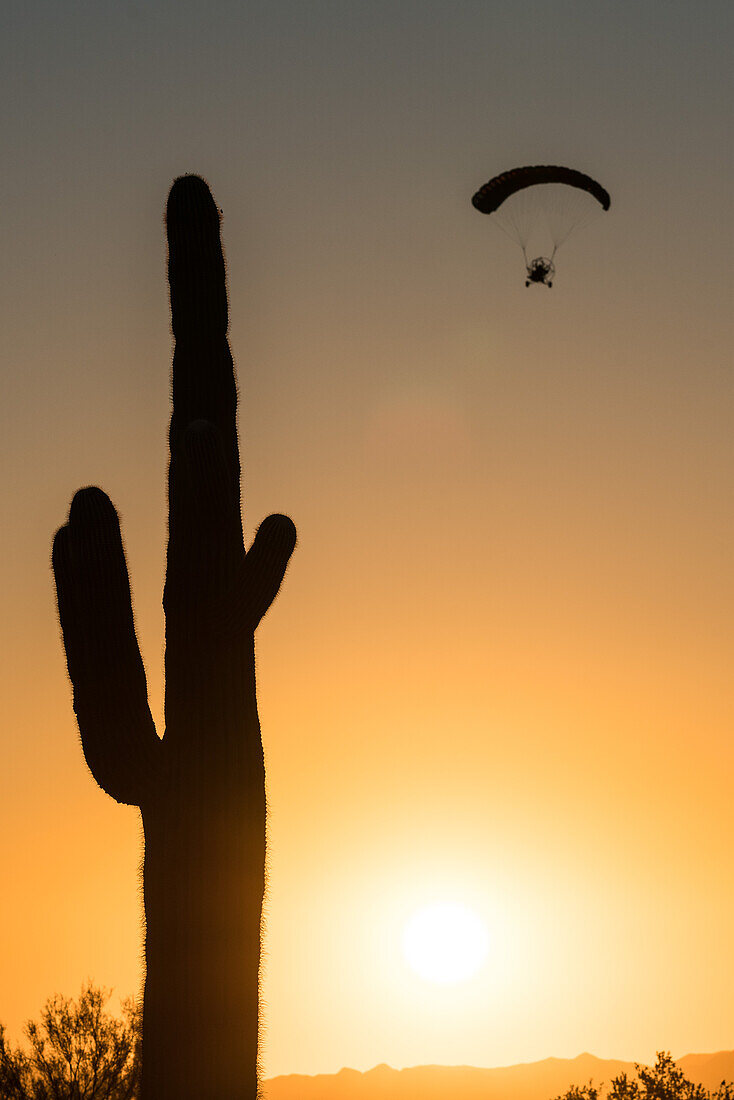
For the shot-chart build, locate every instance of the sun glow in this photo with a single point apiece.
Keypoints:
(445, 943)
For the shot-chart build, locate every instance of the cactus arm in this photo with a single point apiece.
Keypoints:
(106, 670)
(238, 602)
(261, 576)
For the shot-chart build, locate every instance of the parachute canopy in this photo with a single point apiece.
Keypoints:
(541, 205)
(494, 193)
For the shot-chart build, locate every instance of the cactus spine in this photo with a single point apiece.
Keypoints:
(200, 788)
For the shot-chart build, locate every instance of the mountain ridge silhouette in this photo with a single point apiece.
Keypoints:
(540, 1080)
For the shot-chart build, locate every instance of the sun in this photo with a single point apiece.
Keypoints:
(445, 942)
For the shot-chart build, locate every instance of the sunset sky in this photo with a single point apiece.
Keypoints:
(499, 670)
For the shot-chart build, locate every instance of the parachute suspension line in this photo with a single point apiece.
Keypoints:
(517, 217)
(511, 222)
(567, 209)
(510, 231)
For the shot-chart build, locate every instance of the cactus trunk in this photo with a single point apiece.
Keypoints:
(201, 788)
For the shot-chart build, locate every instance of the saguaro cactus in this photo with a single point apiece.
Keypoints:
(201, 787)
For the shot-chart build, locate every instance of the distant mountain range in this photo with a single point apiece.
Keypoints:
(531, 1081)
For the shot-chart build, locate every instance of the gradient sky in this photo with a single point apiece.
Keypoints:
(500, 668)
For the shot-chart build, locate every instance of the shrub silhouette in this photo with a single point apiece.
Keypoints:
(201, 788)
(663, 1081)
(78, 1051)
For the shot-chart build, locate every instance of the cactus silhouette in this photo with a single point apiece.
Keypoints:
(201, 787)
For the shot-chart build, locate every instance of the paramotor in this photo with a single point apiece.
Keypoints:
(541, 199)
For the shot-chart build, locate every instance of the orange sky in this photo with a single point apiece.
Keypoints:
(499, 668)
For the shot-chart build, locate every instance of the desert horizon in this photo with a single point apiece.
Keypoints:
(701, 1075)
(542, 1080)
